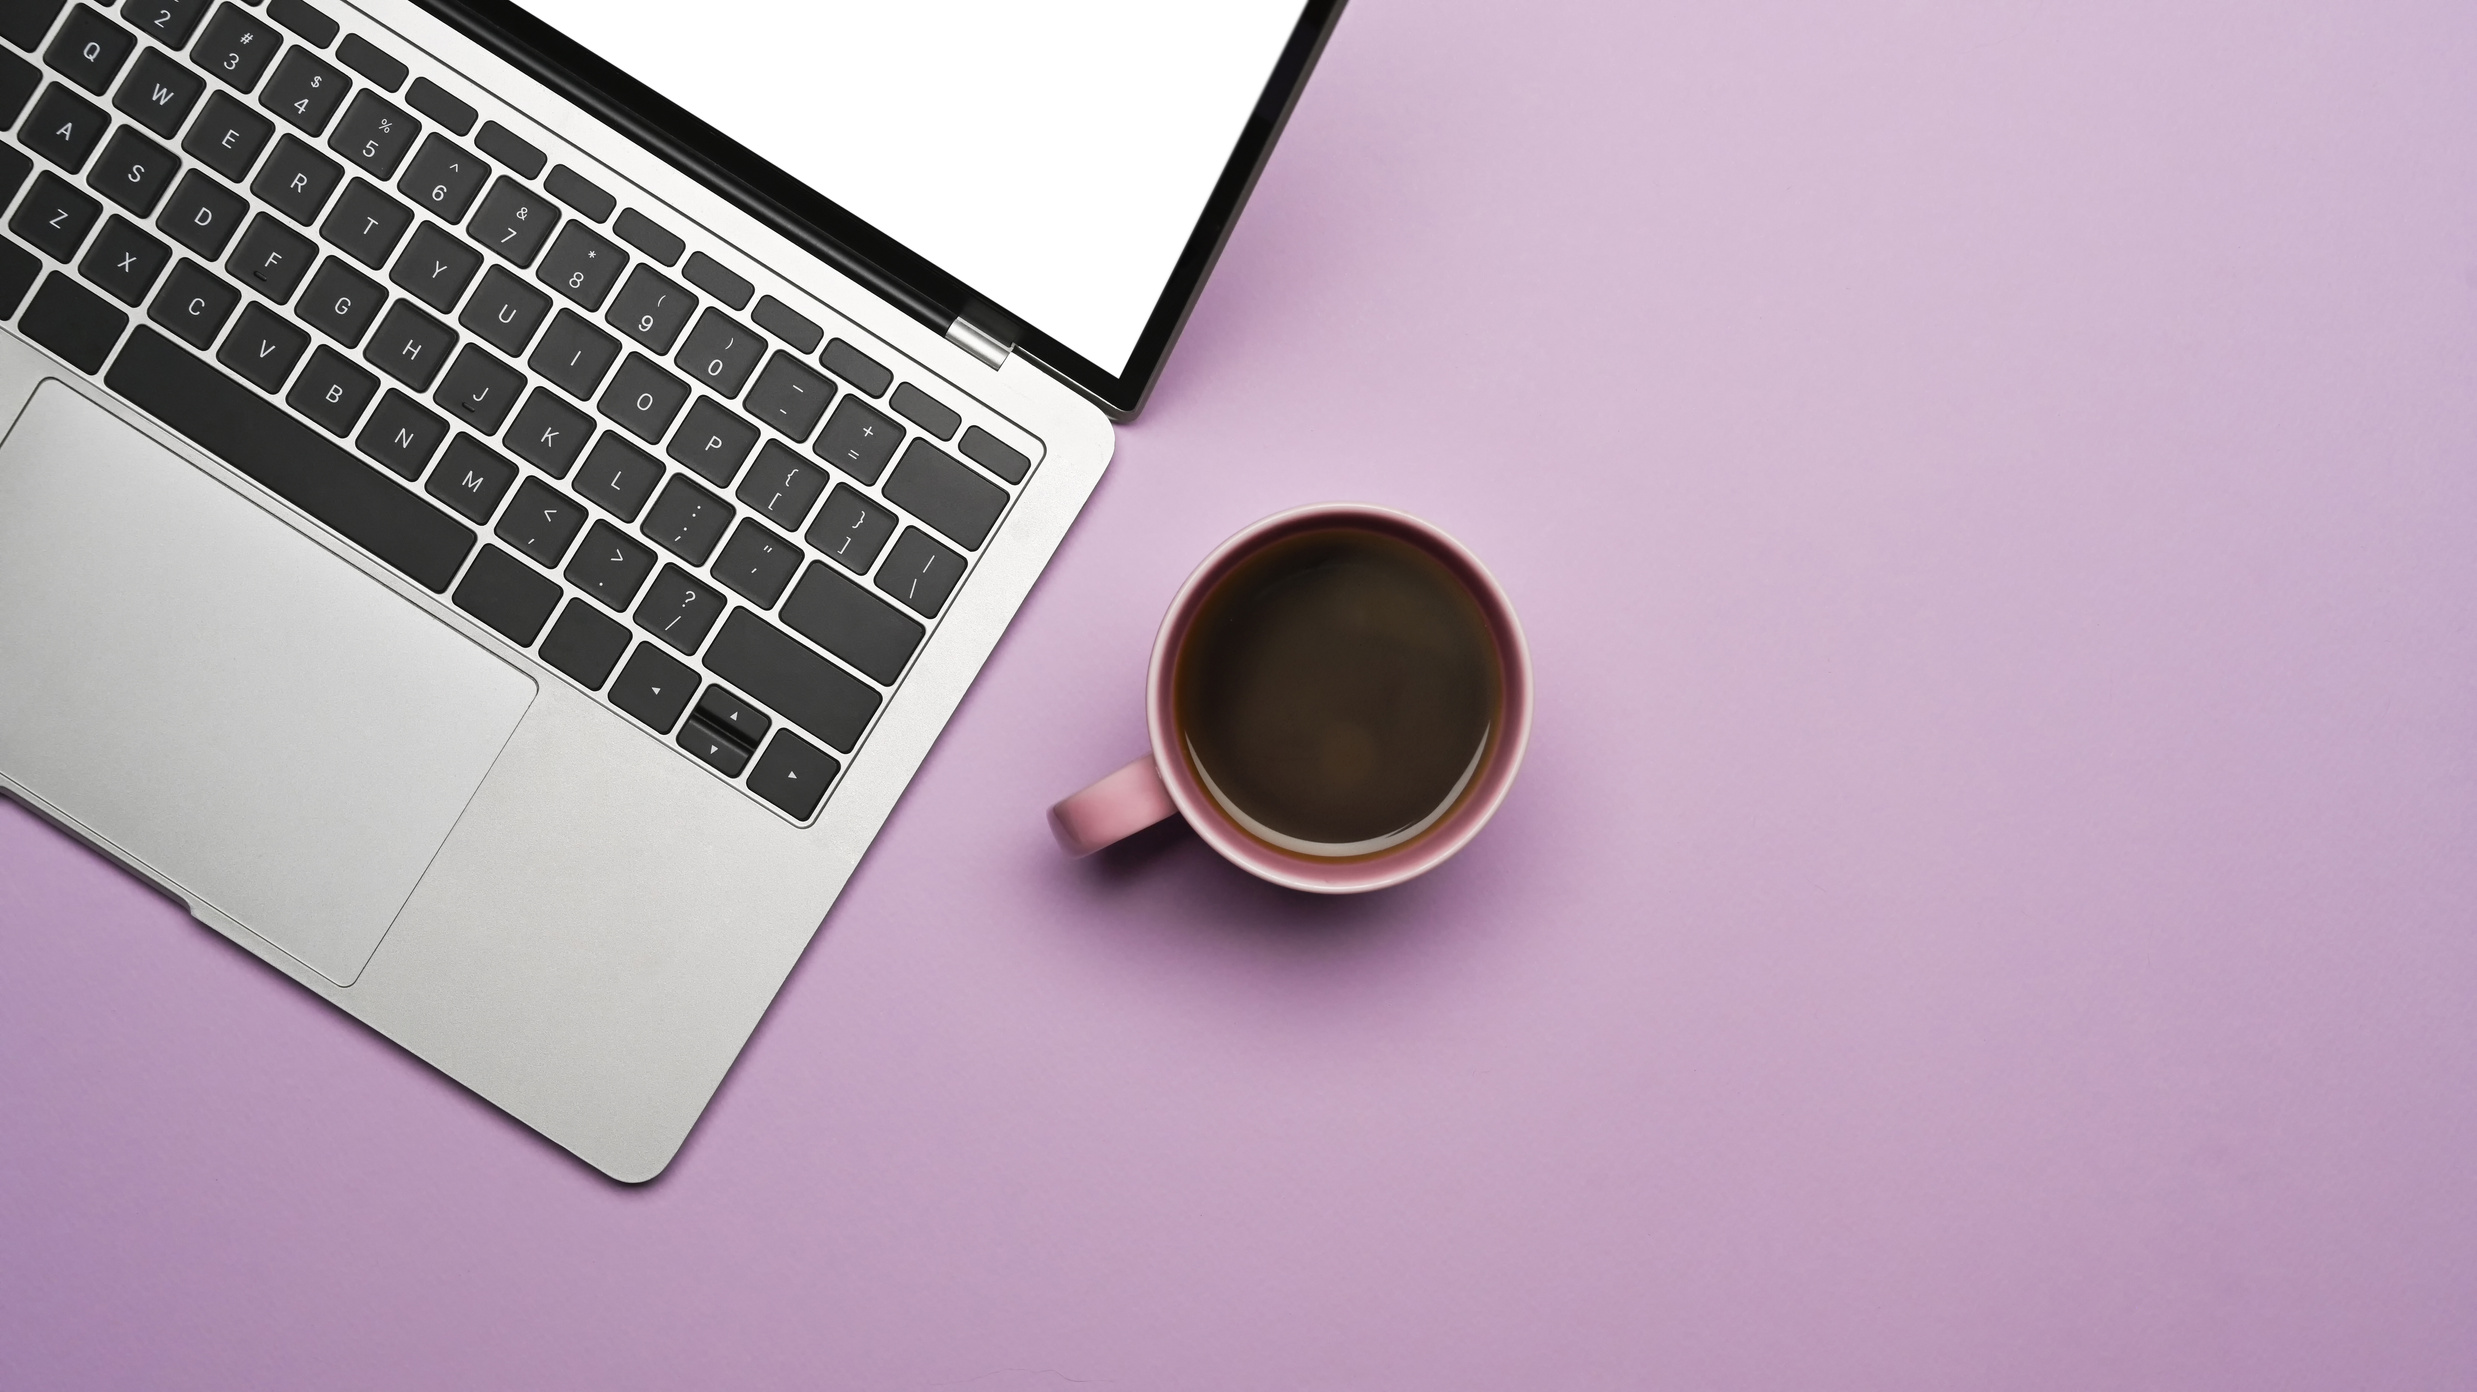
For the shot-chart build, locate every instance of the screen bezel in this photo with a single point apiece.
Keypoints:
(913, 282)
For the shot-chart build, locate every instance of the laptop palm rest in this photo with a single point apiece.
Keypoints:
(220, 699)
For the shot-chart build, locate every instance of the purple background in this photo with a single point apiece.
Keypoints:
(1991, 493)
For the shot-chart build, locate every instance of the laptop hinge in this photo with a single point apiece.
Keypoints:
(978, 342)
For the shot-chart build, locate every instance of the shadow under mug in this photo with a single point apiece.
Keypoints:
(1165, 782)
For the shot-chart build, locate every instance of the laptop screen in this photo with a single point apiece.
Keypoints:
(1055, 156)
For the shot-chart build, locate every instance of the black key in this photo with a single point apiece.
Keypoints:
(643, 399)
(789, 396)
(722, 712)
(585, 645)
(505, 311)
(74, 322)
(580, 193)
(718, 280)
(866, 375)
(719, 353)
(756, 564)
(851, 529)
(167, 22)
(263, 347)
(646, 235)
(305, 90)
(714, 746)
(582, 265)
(712, 441)
(202, 215)
(297, 179)
(859, 440)
(652, 310)
(124, 261)
(227, 136)
(686, 521)
(133, 172)
(920, 572)
(508, 595)
(315, 474)
(14, 167)
(18, 79)
(301, 19)
(549, 433)
(926, 411)
(436, 267)
(732, 717)
(435, 102)
(340, 302)
(574, 354)
(513, 221)
(63, 127)
(542, 522)
(55, 217)
(654, 687)
(402, 436)
(788, 324)
(510, 149)
(374, 134)
(25, 22)
(610, 566)
(443, 177)
(618, 476)
(793, 775)
(832, 609)
(366, 224)
(271, 258)
(89, 49)
(782, 486)
(331, 391)
(194, 303)
(946, 493)
(802, 687)
(471, 478)
(995, 455)
(367, 59)
(236, 47)
(409, 346)
(480, 390)
(158, 93)
(679, 609)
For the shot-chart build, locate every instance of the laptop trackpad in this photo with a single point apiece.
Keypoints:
(221, 698)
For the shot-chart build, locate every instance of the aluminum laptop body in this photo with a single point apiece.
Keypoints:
(533, 718)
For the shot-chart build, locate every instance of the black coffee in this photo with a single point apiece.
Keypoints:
(1338, 691)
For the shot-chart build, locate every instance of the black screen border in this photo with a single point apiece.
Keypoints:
(913, 282)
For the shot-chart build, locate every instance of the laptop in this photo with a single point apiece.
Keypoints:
(496, 503)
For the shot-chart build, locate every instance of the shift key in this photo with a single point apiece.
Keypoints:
(799, 685)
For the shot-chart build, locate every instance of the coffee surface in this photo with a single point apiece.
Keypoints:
(1337, 691)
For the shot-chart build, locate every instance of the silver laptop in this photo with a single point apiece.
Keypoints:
(496, 504)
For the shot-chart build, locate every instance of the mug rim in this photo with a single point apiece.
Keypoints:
(1385, 868)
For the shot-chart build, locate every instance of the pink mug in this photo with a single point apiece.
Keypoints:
(1165, 781)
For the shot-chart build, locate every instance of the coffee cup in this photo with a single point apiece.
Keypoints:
(1338, 700)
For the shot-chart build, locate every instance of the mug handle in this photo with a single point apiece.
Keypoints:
(1113, 809)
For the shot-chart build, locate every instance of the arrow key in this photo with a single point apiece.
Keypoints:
(654, 687)
(733, 716)
(793, 775)
(714, 746)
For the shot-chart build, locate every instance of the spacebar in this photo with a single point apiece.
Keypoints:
(313, 473)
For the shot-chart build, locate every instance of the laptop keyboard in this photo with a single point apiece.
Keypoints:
(522, 385)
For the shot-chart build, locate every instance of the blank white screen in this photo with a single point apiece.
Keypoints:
(1054, 156)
